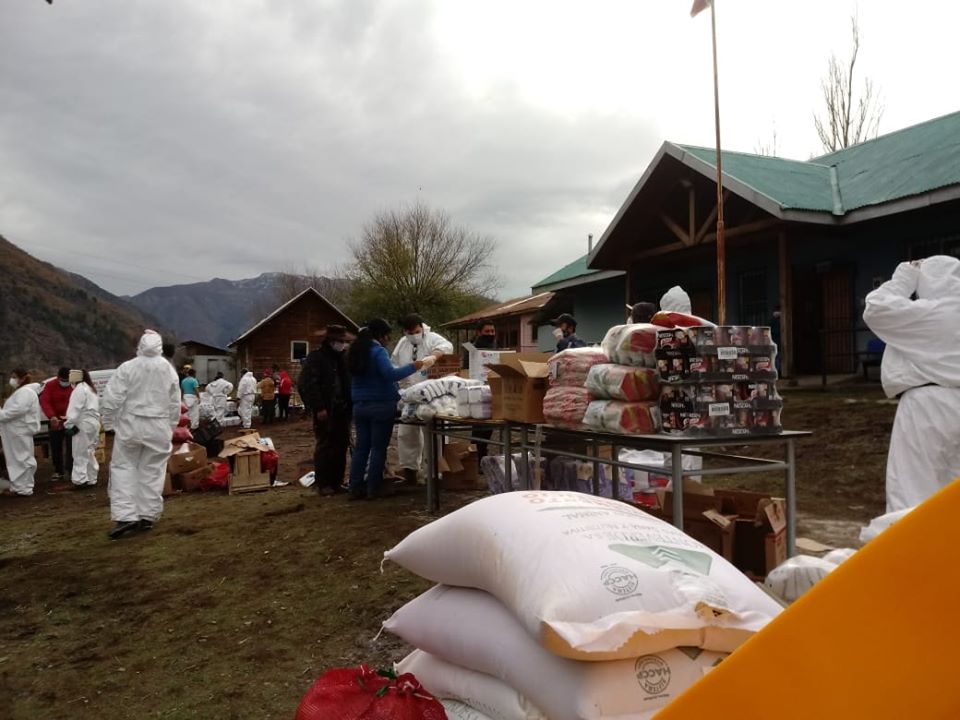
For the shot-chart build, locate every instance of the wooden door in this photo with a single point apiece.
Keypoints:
(836, 289)
(807, 311)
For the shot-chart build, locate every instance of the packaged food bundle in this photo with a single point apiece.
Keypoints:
(633, 344)
(681, 320)
(634, 418)
(566, 406)
(493, 468)
(723, 418)
(569, 368)
(622, 382)
(428, 390)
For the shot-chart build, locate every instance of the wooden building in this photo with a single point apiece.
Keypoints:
(289, 333)
(810, 237)
(517, 322)
(206, 359)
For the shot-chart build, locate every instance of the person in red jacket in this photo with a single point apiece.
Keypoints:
(54, 399)
(284, 391)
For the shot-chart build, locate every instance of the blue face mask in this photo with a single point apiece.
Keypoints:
(64, 383)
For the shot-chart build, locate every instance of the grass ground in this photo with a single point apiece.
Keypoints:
(232, 606)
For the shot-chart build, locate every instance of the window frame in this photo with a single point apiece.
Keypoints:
(305, 343)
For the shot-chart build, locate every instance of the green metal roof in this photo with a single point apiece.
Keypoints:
(901, 164)
(568, 272)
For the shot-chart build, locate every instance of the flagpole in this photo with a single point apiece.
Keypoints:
(721, 240)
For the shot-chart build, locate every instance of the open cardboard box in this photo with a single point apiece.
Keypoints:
(445, 365)
(186, 460)
(704, 517)
(460, 467)
(244, 443)
(480, 360)
(522, 385)
(761, 537)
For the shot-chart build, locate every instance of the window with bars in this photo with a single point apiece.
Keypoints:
(946, 245)
(753, 298)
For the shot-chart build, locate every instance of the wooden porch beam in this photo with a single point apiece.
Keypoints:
(711, 221)
(676, 230)
(692, 207)
(746, 229)
(786, 304)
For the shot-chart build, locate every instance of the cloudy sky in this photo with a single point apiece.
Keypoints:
(157, 142)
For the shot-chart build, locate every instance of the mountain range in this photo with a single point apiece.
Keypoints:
(217, 311)
(51, 317)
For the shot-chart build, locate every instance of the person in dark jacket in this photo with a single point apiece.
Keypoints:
(375, 399)
(325, 390)
(566, 332)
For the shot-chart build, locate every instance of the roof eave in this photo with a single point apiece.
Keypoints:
(579, 281)
(283, 307)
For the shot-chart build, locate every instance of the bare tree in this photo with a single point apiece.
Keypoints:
(292, 280)
(847, 121)
(417, 260)
(767, 149)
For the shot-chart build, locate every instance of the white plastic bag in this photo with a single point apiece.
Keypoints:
(879, 524)
(309, 479)
(793, 578)
(458, 711)
(480, 691)
(591, 578)
(471, 629)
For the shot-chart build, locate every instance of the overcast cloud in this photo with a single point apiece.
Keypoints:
(156, 142)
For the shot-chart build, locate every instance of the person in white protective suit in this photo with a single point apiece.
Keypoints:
(141, 405)
(83, 423)
(677, 300)
(220, 390)
(917, 314)
(418, 342)
(246, 394)
(19, 422)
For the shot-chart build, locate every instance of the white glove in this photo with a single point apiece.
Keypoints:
(558, 333)
(428, 362)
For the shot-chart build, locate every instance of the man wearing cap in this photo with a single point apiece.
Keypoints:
(54, 399)
(566, 332)
(324, 386)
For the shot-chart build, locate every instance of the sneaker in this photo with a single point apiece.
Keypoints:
(122, 528)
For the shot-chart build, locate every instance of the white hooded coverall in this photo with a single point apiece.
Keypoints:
(922, 364)
(19, 422)
(141, 403)
(83, 413)
(410, 437)
(246, 393)
(219, 390)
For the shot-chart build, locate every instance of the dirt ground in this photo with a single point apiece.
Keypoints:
(232, 606)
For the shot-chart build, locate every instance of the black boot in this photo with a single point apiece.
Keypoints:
(122, 528)
(146, 524)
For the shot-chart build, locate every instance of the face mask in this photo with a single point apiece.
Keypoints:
(338, 346)
(64, 383)
(415, 338)
(14, 383)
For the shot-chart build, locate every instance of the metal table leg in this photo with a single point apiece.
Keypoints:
(615, 472)
(524, 457)
(433, 498)
(507, 438)
(791, 499)
(677, 471)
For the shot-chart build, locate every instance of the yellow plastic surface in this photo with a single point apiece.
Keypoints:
(878, 638)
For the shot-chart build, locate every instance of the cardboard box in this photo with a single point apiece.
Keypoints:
(445, 365)
(460, 467)
(243, 443)
(168, 488)
(183, 462)
(704, 518)
(246, 475)
(480, 361)
(523, 383)
(496, 396)
(761, 535)
(193, 480)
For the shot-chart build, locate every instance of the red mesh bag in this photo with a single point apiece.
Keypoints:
(269, 462)
(362, 694)
(182, 434)
(674, 319)
(218, 479)
(184, 421)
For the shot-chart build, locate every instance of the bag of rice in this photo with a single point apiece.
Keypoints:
(566, 406)
(616, 416)
(591, 578)
(569, 368)
(493, 642)
(622, 382)
(632, 344)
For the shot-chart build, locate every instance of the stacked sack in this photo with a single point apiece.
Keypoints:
(570, 607)
(567, 400)
(626, 387)
(431, 398)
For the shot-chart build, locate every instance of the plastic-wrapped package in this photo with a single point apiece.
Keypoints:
(676, 319)
(569, 368)
(572, 475)
(493, 468)
(638, 418)
(480, 411)
(566, 406)
(623, 382)
(632, 344)
(442, 406)
(424, 392)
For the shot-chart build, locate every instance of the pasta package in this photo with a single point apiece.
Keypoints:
(622, 382)
(569, 368)
(566, 406)
(633, 344)
(616, 416)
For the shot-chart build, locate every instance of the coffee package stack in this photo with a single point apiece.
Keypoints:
(718, 381)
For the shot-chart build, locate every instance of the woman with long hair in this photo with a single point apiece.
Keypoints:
(19, 422)
(375, 400)
(83, 424)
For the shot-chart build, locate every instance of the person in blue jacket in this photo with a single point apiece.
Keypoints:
(375, 401)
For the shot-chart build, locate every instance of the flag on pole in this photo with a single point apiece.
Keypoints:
(699, 6)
